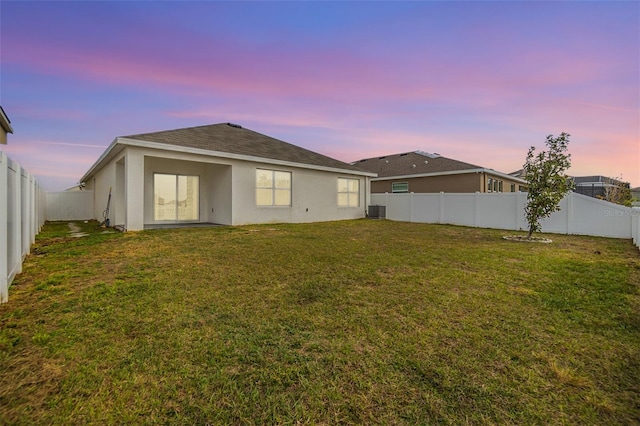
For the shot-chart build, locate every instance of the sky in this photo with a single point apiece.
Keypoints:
(477, 81)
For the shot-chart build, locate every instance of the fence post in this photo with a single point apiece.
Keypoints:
(34, 215)
(521, 202)
(17, 214)
(25, 214)
(4, 222)
(411, 207)
(476, 213)
(569, 213)
(441, 207)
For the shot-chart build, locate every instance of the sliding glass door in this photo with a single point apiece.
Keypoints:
(175, 197)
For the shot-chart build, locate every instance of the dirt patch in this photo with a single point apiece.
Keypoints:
(75, 231)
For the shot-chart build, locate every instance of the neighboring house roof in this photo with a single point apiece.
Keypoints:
(518, 173)
(228, 140)
(598, 180)
(5, 123)
(420, 164)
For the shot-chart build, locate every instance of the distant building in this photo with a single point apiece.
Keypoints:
(596, 186)
(635, 193)
(5, 124)
(423, 172)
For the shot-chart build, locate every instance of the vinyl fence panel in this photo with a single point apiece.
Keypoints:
(579, 214)
(21, 218)
(69, 205)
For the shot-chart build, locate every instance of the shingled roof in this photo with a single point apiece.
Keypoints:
(412, 163)
(234, 139)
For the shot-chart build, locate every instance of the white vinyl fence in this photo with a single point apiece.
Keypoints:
(635, 223)
(69, 205)
(579, 214)
(22, 206)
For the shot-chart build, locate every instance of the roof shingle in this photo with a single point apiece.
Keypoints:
(412, 163)
(234, 139)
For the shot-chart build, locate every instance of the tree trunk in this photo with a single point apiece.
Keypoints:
(530, 232)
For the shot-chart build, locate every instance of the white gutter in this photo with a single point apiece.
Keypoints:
(95, 165)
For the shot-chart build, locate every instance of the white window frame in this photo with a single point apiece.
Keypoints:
(352, 197)
(276, 191)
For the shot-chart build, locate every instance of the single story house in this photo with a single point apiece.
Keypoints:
(224, 174)
(423, 172)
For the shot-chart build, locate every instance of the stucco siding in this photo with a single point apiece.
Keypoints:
(227, 189)
(104, 179)
(314, 197)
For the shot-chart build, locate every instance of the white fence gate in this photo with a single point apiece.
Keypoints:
(22, 207)
(579, 214)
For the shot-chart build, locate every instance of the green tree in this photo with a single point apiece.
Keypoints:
(546, 178)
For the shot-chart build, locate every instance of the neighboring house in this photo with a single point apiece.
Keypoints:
(422, 172)
(635, 193)
(5, 125)
(224, 174)
(597, 186)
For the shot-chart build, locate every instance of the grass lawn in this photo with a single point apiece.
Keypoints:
(372, 322)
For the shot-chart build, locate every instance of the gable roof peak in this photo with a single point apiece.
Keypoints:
(234, 139)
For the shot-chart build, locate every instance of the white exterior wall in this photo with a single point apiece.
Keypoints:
(99, 185)
(227, 189)
(579, 214)
(314, 196)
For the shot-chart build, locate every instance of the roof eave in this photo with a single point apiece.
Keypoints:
(452, 172)
(101, 160)
(123, 141)
(4, 121)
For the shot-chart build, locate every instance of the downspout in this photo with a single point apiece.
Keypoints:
(366, 203)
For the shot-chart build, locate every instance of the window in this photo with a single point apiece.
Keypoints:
(494, 185)
(399, 187)
(513, 187)
(273, 188)
(348, 192)
(175, 197)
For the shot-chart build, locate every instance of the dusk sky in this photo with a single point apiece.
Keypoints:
(475, 81)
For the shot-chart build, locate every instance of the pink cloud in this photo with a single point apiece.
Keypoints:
(49, 163)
